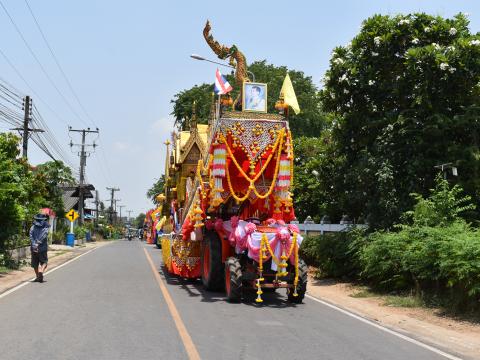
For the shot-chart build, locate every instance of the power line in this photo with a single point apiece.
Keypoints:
(40, 64)
(58, 64)
(19, 74)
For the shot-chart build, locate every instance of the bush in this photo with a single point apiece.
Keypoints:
(335, 254)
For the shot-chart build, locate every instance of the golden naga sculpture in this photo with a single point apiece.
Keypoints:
(235, 56)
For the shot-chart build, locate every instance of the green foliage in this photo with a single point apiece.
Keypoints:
(157, 188)
(183, 104)
(138, 223)
(53, 174)
(443, 206)
(21, 191)
(335, 254)
(405, 95)
(310, 122)
(436, 255)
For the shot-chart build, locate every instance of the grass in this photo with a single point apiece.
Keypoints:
(407, 301)
(364, 293)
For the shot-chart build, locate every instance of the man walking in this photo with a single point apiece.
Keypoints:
(39, 245)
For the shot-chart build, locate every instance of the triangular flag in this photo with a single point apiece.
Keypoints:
(288, 94)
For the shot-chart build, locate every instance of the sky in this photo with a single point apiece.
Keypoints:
(126, 59)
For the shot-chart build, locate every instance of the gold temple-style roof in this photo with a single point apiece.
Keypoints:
(186, 139)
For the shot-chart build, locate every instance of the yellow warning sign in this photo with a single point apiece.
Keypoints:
(72, 215)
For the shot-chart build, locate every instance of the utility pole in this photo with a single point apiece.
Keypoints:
(96, 208)
(26, 130)
(115, 219)
(129, 212)
(121, 206)
(112, 195)
(83, 163)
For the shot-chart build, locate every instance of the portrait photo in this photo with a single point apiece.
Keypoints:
(254, 97)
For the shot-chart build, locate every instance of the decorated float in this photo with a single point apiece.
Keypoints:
(228, 190)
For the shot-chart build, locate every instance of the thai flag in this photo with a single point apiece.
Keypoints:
(221, 84)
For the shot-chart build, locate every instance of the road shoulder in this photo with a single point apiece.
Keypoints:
(426, 325)
(57, 255)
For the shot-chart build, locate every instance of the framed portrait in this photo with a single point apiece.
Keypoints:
(254, 97)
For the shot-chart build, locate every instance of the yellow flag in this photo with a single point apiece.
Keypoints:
(288, 94)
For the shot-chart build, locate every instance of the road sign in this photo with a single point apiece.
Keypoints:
(72, 215)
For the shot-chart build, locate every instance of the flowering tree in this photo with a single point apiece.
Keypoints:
(405, 91)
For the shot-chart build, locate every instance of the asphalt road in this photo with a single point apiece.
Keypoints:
(108, 305)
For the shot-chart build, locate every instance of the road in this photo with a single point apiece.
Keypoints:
(108, 304)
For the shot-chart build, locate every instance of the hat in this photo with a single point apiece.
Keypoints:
(40, 217)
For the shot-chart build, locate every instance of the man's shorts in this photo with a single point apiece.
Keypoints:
(39, 258)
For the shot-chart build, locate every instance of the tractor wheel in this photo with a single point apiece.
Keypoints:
(211, 262)
(302, 284)
(233, 279)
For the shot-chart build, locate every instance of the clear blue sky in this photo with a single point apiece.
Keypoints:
(126, 60)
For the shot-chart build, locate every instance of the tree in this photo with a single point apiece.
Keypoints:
(55, 173)
(183, 105)
(403, 90)
(21, 191)
(157, 188)
(139, 220)
(310, 121)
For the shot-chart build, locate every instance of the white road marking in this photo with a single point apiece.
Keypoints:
(25, 283)
(383, 328)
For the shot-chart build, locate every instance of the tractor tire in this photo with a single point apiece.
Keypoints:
(233, 279)
(302, 284)
(211, 262)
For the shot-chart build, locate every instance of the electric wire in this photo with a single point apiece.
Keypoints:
(40, 65)
(58, 64)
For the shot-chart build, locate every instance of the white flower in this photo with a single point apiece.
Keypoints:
(374, 53)
(345, 91)
(404, 21)
(389, 127)
(452, 31)
(436, 46)
(377, 40)
(452, 69)
(475, 42)
(415, 41)
(398, 77)
(343, 78)
(315, 173)
(371, 82)
(338, 61)
(427, 29)
(451, 48)
(443, 66)
(374, 107)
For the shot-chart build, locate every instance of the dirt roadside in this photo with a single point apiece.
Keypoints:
(427, 325)
(57, 255)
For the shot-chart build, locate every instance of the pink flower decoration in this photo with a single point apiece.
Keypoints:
(281, 222)
(234, 221)
(283, 235)
(293, 228)
(250, 228)
(270, 221)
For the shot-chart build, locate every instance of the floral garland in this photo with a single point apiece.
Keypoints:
(282, 264)
(278, 147)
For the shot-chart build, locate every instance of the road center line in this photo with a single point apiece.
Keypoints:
(383, 328)
(182, 330)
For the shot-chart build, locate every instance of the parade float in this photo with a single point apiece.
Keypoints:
(228, 192)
